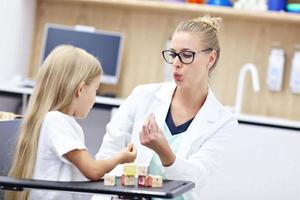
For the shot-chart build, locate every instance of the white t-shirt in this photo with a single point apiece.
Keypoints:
(60, 134)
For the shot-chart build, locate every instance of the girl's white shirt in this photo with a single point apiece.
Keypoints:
(60, 134)
(201, 149)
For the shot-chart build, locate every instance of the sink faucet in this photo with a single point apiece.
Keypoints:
(255, 84)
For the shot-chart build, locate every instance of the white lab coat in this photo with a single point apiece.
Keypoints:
(201, 147)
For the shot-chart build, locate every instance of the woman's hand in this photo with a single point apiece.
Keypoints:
(152, 137)
(128, 154)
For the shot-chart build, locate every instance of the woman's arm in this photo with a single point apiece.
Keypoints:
(95, 169)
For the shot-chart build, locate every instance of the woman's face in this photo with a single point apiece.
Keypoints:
(194, 74)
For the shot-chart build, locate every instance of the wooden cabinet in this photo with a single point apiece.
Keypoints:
(246, 36)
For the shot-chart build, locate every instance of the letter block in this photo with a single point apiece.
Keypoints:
(142, 170)
(157, 181)
(109, 180)
(141, 180)
(127, 180)
(129, 169)
(153, 181)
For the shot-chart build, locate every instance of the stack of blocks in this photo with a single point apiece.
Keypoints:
(128, 177)
(129, 174)
(142, 174)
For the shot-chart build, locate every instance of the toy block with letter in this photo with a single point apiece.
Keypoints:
(129, 169)
(157, 181)
(153, 181)
(109, 180)
(141, 180)
(127, 180)
(142, 170)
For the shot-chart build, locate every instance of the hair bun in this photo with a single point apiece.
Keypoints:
(214, 22)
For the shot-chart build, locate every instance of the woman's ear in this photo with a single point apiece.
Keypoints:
(79, 89)
(212, 58)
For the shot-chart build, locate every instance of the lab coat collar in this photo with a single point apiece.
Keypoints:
(209, 107)
(164, 97)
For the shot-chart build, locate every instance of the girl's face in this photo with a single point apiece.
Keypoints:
(194, 74)
(86, 97)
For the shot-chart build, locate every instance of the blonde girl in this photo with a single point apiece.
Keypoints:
(51, 143)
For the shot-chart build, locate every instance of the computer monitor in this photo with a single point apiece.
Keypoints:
(105, 46)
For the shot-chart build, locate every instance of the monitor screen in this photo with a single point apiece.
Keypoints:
(105, 46)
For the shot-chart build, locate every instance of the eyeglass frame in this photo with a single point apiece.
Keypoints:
(178, 54)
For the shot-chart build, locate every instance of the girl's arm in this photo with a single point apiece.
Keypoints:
(95, 169)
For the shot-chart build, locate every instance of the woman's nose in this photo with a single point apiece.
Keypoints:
(177, 62)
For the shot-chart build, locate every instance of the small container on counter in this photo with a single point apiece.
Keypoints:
(293, 7)
(195, 1)
(277, 5)
(227, 3)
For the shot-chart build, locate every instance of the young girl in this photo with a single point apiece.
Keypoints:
(51, 143)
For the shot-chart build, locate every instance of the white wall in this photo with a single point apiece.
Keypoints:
(16, 29)
(261, 163)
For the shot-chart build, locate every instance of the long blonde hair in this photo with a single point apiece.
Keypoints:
(57, 81)
(207, 29)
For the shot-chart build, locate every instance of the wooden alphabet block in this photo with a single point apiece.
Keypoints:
(157, 181)
(129, 169)
(141, 180)
(127, 180)
(143, 170)
(109, 180)
(153, 181)
(6, 116)
(148, 181)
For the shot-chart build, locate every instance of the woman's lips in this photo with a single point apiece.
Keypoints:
(177, 76)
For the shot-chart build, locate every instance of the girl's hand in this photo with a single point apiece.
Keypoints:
(128, 154)
(152, 137)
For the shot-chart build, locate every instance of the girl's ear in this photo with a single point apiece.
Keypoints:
(79, 89)
(212, 58)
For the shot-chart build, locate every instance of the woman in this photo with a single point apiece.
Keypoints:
(179, 128)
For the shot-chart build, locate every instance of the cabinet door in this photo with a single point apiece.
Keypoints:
(260, 163)
(11, 102)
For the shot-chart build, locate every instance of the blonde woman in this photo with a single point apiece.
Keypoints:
(179, 128)
(51, 143)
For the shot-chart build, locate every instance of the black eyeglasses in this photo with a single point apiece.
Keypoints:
(186, 57)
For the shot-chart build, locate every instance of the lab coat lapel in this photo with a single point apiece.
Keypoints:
(164, 97)
(202, 125)
(161, 106)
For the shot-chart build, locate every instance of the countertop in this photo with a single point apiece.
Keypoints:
(242, 118)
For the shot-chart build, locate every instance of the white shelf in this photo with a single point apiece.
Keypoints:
(192, 8)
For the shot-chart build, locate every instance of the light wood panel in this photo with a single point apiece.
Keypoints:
(248, 41)
(146, 26)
